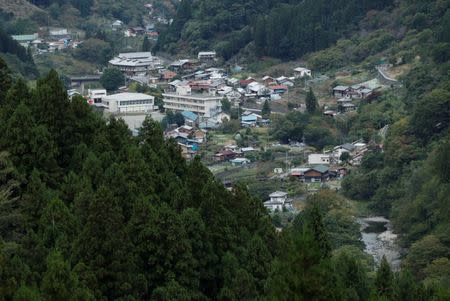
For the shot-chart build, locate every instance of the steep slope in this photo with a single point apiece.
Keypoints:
(284, 29)
(20, 8)
(18, 58)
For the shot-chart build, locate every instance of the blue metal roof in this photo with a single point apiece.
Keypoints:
(249, 118)
(189, 115)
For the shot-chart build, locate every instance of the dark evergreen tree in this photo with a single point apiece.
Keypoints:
(311, 101)
(5, 80)
(315, 223)
(146, 44)
(265, 111)
(384, 280)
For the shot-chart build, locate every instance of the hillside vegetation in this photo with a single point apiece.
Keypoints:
(284, 29)
(17, 56)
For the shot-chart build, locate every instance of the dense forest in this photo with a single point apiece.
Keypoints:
(284, 29)
(89, 212)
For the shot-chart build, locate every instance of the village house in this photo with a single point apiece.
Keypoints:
(117, 25)
(283, 80)
(95, 96)
(311, 174)
(187, 135)
(190, 118)
(245, 82)
(182, 65)
(319, 159)
(347, 107)
(268, 80)
(341, 91)
(225, 155)
(256, 88)
(187, 151)
(239, 161)
(25, 40)
(57, 34)
(279, 89)
(168, 76)
(205, 56)
(277, 201)
(250, 119)
(356, 151)
(301, 72)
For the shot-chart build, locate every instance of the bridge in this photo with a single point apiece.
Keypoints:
(81, 80)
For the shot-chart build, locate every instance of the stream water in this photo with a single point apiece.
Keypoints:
(380, 240)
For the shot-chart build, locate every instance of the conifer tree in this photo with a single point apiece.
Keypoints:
(300, 272)
(59, 282)
(5, 80)
(27, 293)
(57, 227)
(384, 280)
(266, 109)
(353, 277)
(311, 101)
(10, 211)
(146, 44)
(315, 223)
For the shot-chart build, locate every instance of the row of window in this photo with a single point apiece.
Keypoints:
(184, 100)
(183, 106)
(135, 102)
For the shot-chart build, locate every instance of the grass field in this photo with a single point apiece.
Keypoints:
(64, 63)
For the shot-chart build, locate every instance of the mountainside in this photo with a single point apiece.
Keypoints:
(17, 56)
(284, 29)
(19, 8)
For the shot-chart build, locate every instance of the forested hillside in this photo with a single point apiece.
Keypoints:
(284, 29)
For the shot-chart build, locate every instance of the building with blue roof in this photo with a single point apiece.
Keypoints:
(189, 117)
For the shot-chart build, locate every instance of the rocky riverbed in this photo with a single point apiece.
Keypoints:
(380, 240)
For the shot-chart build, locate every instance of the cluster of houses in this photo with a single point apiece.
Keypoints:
(346, 95)
(149, 30)
(189, 138)
(155, 16)
(234, 154)
(191, 85)
(47, 41)
(322, 167)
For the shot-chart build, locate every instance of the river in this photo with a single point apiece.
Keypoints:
(380, 240)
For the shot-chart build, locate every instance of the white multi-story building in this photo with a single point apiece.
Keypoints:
(206, 55)
(183, 99)
(136, 63)
(128, 103)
